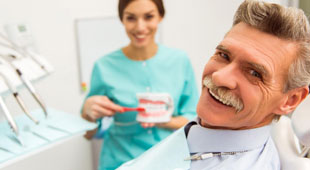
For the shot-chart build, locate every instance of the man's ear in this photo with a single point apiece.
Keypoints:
(293, 98)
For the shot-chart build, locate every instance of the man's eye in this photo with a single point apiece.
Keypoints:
(255, 74)
(225, 56)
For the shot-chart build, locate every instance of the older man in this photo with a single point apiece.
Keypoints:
(259, 71)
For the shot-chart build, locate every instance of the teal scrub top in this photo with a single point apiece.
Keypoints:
(120, 78)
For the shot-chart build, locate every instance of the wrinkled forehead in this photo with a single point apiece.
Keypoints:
(252, 44)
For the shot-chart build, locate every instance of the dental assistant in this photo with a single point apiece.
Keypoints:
(141, 66)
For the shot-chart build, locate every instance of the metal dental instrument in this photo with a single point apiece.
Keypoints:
(8, 116)
(29, 85)
(10, 120)
(22, 105)
(32, 91)
(16, 95)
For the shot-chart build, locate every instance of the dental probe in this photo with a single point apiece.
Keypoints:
(32, 91)
(16, 95)
(10, 120)
(8, 116)
(29, 85)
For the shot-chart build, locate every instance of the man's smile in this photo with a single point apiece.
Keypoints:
(222, 95)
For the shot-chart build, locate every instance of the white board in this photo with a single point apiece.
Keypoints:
(95, 38)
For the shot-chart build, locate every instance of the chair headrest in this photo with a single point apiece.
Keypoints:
(301, 122)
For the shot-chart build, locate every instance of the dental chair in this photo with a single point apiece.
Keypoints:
(292, 138)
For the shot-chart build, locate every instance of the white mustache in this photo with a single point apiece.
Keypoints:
(223, 95)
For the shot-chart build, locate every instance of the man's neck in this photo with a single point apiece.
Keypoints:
(264, 122)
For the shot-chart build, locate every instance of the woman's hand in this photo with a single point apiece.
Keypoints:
(99, 106)
(147, 125)
(174, 123)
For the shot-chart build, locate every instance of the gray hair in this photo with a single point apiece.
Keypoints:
(286, 23)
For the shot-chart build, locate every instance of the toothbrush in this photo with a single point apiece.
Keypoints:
(129, 109)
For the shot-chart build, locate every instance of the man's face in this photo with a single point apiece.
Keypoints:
(244, 79)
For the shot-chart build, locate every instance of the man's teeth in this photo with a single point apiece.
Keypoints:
(219, 99)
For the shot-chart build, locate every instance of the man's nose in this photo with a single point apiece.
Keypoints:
(226, 77)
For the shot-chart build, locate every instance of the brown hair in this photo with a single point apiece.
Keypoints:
(122, 4)
(286, 23)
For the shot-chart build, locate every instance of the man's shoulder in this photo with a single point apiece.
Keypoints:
(265, 157)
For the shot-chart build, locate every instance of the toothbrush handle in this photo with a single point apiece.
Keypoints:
(138, 109)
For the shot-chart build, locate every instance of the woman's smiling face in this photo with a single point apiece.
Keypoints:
(141, 19)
